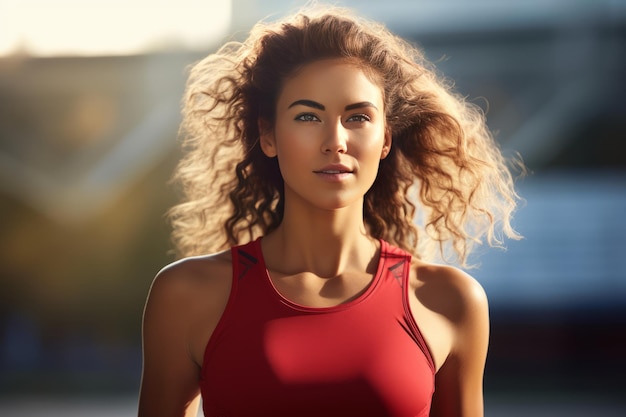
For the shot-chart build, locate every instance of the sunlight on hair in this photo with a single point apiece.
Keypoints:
(110, 27)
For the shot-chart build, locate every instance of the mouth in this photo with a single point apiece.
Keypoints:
(334, 169)
(334, 174)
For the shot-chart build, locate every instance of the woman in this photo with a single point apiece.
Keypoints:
(326, 164)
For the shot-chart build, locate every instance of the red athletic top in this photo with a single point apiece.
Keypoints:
(269, 356)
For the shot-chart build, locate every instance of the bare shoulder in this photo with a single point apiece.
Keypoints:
(186, 277)
(190, 295)
(451, 309)
(185, 302)
(448, 291)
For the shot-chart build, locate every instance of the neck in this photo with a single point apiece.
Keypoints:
(324, 242)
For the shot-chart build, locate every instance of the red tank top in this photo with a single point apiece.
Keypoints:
(269, 356)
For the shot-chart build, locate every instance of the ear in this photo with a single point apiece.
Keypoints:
(266, 138)
(387, 145)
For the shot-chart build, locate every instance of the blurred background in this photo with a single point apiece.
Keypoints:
(89, 110)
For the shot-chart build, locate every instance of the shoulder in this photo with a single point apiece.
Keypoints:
(187, 278)
(456, 325)
(448, 291)
(452, 308)
(190, 286)
(187, 298)
(184, 303)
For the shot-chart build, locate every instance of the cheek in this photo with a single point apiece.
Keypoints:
(289, 141)
(371, 148)
(292, 148)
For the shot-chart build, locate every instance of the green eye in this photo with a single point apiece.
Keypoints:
(307, 117)
(359, 118)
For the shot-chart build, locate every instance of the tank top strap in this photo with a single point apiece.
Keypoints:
(398, 265)
(396, 262)
(244, 258)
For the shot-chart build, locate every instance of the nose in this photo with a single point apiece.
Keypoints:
(336, 140)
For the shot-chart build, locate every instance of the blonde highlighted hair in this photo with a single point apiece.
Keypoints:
(444, 184)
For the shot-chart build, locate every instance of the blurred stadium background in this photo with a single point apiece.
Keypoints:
(89, 112)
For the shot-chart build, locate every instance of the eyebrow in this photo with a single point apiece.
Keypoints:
(360, 105)
(308, 103)
(319, 106)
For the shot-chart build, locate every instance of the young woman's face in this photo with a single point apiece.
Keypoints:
(329, 135)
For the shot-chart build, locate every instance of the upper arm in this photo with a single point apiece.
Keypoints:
(459, 381)
(170, 376)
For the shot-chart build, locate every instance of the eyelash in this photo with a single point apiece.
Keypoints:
(362, 118)
(309, 117)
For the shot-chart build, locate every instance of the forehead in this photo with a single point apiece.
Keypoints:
(332, 80)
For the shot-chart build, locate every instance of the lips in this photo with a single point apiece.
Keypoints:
(335, 173)
(334, 169)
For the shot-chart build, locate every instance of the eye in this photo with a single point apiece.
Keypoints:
(360, 118)
(307, 117)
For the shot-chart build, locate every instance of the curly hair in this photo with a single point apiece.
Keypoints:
(444, 185)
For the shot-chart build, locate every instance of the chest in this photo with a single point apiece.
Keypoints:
(313, 291)
(362, 358)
